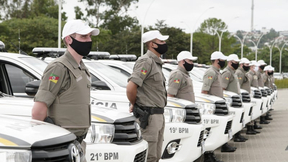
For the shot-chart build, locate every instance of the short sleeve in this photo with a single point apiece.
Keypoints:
(208, 79)
(174, 83)
(141, 70)
(51, 83)
(240, 78)
(225, 79)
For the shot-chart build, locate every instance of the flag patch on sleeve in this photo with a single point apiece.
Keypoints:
(227, 78)
(143, 71)
(239, 78)
(210, 77)
(176, 80)
(53, 78)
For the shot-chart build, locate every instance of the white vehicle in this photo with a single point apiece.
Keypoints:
(119, 138)
(183, 128)
(27, 140)
(215, 114)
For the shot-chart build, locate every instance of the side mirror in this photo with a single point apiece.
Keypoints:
(32, 87)
(100, 85)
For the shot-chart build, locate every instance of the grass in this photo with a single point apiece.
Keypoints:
(283, 83)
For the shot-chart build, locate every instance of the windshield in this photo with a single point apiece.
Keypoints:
(130, 65)
(117, 77)
(35, 63)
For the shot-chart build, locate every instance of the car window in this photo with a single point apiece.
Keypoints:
(18, 78)
(118, 78)
(35, 63)
(120, 70)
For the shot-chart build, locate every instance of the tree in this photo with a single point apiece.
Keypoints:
(29, 9)
(37, 32)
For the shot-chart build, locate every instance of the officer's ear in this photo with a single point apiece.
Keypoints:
(68, 39)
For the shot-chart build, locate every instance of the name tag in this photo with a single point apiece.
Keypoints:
(78, 79)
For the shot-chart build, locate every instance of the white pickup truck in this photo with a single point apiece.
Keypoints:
(115, 132)
(27, 140)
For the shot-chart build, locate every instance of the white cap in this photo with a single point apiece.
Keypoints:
(261, 62)
(2, 45)
(253, 62)
(267, 68)
(154, 34)
(244, 61)
(79, 27)
(186, 55)
(272, 68)
(218, 55)
(233, 57)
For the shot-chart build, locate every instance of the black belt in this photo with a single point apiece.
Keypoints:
(80, 138)
(153, 110)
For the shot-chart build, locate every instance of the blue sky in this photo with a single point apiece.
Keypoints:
(189, 14)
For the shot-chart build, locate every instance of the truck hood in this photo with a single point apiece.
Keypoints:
(23, 106)
(31, 131)
(120, 97)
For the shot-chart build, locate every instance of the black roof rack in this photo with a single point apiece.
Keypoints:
(48, 52)
(98, 55)
(123, 57)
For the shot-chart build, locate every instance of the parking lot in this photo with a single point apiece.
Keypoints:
(271, 145)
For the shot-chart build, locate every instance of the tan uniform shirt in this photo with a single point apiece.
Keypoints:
(65, 89)
(147, 74)
(260, 79)
(266, 80)
(212, 82)
(180, 84)
(230, 80)
(253, 79)
(243, 79)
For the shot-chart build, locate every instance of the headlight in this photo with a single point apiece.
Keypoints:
(228, 101)
(16, 155)
(174, 115)
(206, 108)
(100, 133)
(138, 131)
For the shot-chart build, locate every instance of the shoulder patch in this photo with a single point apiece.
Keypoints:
(53, 78)
(176, 80)
(143, 71)
(210, 77)
(239, 78)
(227, 78)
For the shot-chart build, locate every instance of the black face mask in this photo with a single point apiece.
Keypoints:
(235, 66)
(188, 66)
(262, 67)
(270, 73)
(162, 48)
(82, 48)
(246, 68)
(221, 63)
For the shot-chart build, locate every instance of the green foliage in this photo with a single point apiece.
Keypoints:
(37, 32)
(283, 83)
(29, 9)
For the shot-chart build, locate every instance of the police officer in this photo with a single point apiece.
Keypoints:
(231, 83)
(212, 85)
(147, 93)
(180, 84)
(260, 73)
(64, 92)
(244, 83)
(266, 76)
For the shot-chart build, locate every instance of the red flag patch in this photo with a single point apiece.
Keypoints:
(227, 78)
(210, 77)
(53, 78)
(143, 71)
(176, 80)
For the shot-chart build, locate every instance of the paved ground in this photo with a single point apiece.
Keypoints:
(271, 145)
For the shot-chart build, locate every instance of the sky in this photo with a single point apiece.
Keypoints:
(189, 14)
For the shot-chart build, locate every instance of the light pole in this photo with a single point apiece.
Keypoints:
(191, 37)
(59, 23)
(256, 45)
(280, 61)
(220, 37)
(241, 42)
(271, 48)
(142, 28)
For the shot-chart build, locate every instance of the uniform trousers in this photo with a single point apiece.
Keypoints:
(153, 134)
